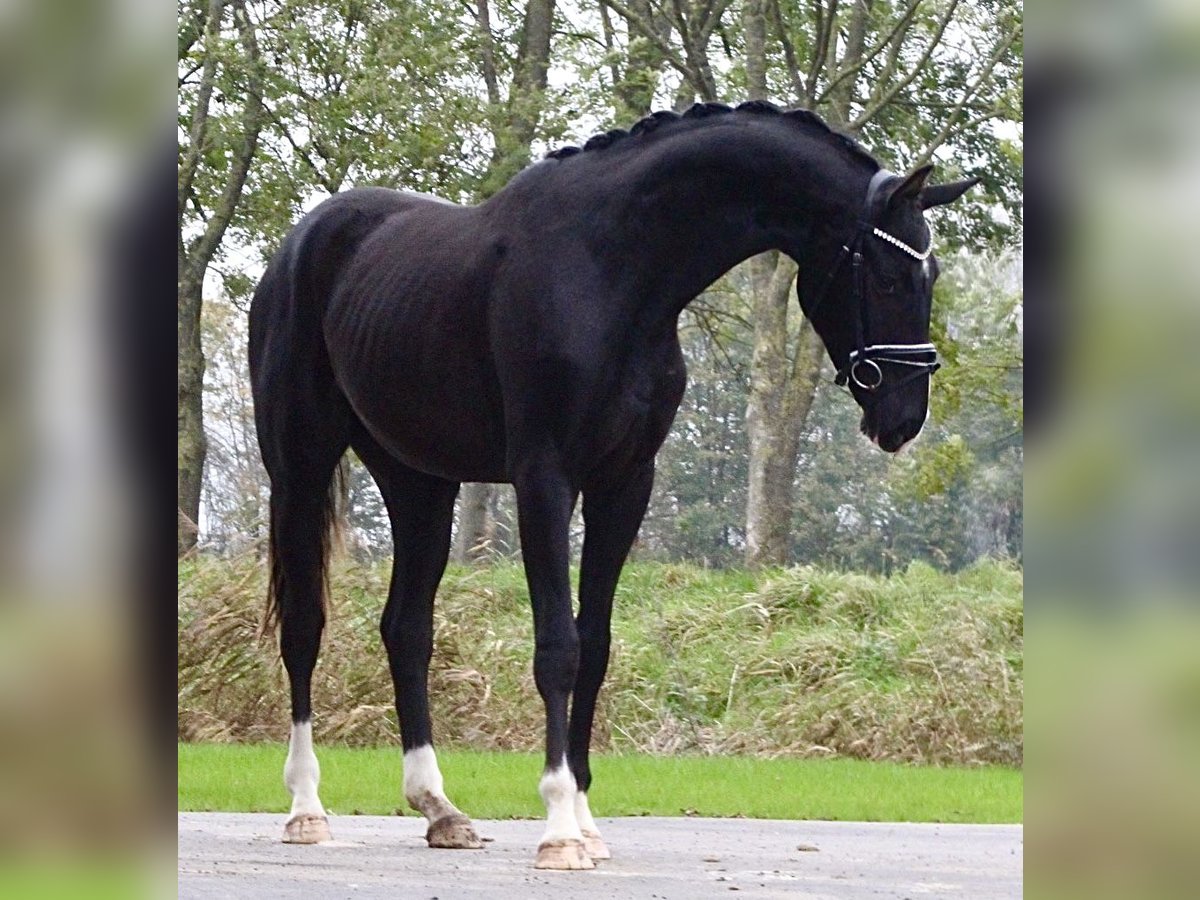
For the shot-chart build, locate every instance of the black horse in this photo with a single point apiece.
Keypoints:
(532, 340)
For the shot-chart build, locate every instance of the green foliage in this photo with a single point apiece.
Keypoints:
(355, 93)
(938, 466)
(918, 667)
(394, 93)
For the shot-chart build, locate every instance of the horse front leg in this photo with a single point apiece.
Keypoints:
(611, 516)
(545, 500)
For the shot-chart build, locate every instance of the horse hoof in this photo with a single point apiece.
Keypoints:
(306, 829)
(595, 846)
(567, 854)
(453, 832)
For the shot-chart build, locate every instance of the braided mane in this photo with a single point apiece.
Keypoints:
(666, 119)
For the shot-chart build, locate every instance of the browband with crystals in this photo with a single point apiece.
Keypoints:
(896, 242)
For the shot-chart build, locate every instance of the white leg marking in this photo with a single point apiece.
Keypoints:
(583, 815)
(424, 791)
(301, 772)
(593, 843)
(423, 787)
(557, 788)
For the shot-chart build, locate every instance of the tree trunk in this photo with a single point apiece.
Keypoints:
(471, 539)
(783, 383)
(754, 27)
(525, 97)
(839, 102)
(773, 441)
(192, 443)
(194, 260)
(769, 435)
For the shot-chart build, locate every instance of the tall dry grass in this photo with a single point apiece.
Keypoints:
(922, 666)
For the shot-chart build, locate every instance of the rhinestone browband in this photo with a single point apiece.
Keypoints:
(896, 242)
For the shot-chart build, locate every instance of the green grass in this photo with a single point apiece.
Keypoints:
(248, 778)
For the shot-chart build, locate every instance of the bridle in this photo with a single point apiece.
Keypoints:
(863, 365)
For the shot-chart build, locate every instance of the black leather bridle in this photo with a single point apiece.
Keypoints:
(863, 365)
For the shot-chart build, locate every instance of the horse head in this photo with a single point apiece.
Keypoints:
(878, 335)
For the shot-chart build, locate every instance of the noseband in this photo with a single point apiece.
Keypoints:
(862, 367)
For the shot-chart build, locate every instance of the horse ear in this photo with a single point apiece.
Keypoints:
(912, 185)
(941, 194)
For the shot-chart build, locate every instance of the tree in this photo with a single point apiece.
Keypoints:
(214, 162)
(514, 124)
(281, 102)
(451, 97)
(917, 80)
(883, 52)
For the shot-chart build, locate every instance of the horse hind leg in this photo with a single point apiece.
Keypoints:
(421, 508)
(302, 508)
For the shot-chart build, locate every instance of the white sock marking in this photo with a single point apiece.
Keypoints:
(302, 773)
(557, 788)
(583, 814)
(423, 787)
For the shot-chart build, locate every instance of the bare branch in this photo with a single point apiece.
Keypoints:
(711, 19)
(202, 249)
(188, 73)
(695, 45)
(332, 186)
(789, 52)
(487, 52)
(897, 31)
(973, 88)
(648, 31)
(609, 43)
(198, 132)
(824, 29)
(888, 94)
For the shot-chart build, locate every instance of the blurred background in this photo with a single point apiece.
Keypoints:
(1111, 539)
(1112, 489)
(85, 113)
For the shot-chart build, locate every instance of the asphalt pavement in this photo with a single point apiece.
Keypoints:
(240, 855)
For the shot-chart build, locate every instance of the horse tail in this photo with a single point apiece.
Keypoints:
(302, 419)
(329, 532)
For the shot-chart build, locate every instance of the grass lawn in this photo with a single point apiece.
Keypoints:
(249, 778)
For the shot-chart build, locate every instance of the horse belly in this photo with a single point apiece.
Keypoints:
(425, 394)
(451, 437)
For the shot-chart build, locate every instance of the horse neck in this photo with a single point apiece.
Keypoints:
(707, 200)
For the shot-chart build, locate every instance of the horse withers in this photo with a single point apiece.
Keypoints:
(532, 340)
